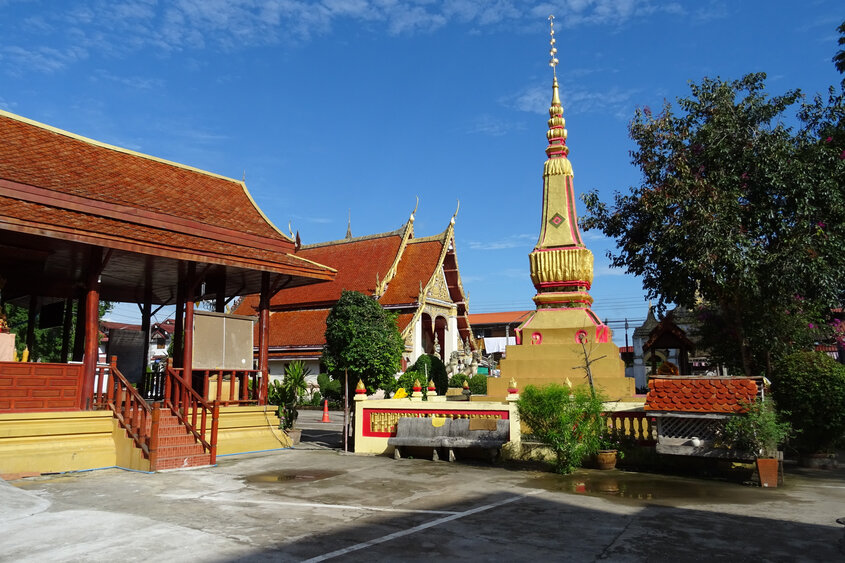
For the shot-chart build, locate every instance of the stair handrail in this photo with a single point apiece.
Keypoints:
(184, 402)
(129, 408)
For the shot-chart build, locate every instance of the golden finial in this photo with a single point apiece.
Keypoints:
(552, 50)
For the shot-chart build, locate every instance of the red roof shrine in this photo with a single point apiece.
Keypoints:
(700, 394)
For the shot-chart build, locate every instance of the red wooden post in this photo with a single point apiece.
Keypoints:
(215, 415)
(92, 333)
(168, 381)
(263, 337)
(188, 334)
(156, 417)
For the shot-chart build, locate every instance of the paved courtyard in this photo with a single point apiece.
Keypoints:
(316, 504)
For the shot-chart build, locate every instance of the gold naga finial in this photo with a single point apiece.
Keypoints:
(552, 50)
(414, 212)
(455, 216)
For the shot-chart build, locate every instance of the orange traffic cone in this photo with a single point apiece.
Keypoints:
(326, 411)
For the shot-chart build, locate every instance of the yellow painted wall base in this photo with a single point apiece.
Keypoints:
(249, 429)
(550, 350)
(32, 443)
(54, 442)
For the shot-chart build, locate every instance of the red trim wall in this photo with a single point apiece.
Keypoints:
(39, 387)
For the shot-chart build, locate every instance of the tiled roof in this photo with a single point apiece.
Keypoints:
(305, 327)
(419, 262)
(506, 317)
(59, 185)
(700, 394)
(357, 261)
(42, 156)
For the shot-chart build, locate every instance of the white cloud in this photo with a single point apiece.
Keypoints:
(515, 241)
(118, 27)
(575, 100)
(493, 126)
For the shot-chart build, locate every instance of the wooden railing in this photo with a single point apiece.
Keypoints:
(198, 415)
(152, 384)
(113, 391)
(635, 426)
(229, 387)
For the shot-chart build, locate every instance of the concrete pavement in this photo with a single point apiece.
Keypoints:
(318, 504)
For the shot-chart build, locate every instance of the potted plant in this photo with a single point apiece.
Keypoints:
(759, 431)
(288, 394)
(610, 451)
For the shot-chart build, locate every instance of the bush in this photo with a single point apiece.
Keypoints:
(568, 421)
(330, 389)
(289, 393)
(436, 370)
(757, 430)
(457, 380)
(478, 384)
(406, 382)
(809, 387)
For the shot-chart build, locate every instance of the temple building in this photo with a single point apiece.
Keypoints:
(563, 339)
(416, 278)
(82, 222)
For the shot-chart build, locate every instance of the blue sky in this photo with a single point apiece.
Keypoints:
(337, 106)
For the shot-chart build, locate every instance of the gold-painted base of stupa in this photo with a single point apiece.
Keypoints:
(551, 352)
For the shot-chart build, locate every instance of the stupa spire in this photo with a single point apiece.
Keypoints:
(561, 266)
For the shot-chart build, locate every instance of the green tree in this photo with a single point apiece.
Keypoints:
(363, 338)
(810, 389)
(839, 57)
(739, 210)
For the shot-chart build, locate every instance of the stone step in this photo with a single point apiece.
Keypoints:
(179, 450)
(183, 462)
(176, 440)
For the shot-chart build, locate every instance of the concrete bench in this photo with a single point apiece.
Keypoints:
(419, 433)
(450, 434)
(461, 436)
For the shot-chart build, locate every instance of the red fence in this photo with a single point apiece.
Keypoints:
(40, 387)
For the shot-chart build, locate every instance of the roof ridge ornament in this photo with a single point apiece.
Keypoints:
(455, 215)
(349, 225)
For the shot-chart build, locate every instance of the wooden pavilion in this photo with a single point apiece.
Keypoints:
(84, 222)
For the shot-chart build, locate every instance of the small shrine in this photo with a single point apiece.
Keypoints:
(563, 339)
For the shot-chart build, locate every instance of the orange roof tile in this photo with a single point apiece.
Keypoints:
(298, 328)
(38, 155)
(58, 185)
(700, 394)
(417, 265)
(357, 261)
(302, 328)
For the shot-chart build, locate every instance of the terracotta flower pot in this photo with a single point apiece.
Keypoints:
(767, 469)
(606, 459)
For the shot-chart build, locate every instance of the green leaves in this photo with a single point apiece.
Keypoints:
(810, 388)
(362, 338)
(569, 421)
(735, 208)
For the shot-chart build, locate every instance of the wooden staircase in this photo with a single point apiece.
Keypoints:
(177, 447)
(177, 433)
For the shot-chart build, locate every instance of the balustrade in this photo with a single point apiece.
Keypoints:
(636, 426)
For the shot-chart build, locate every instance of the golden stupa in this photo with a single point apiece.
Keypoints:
(563, 335)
